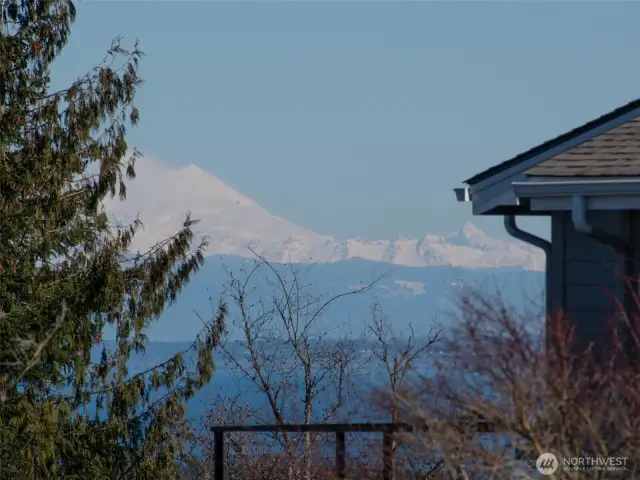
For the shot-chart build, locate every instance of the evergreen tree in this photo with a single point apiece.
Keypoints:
(66, 273)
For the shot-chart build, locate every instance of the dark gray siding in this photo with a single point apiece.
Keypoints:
(587, 278)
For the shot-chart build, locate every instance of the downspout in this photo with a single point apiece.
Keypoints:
(579, 210)
(526, 237)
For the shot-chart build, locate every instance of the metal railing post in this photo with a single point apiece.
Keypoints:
(218, 455)
(341, 455)
(387, 456)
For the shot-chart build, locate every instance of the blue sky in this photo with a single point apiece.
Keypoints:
(358, 119)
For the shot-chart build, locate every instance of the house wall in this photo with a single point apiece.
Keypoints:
(587, 279)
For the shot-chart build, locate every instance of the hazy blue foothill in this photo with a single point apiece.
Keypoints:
(416, 295)
(423, 307)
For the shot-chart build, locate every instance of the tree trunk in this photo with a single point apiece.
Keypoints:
(394, 419)
(308, 410)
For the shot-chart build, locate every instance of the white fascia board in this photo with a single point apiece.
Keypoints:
(598, 202)
(570, 188)
(610, 194)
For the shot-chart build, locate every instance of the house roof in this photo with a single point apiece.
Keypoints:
(613, 153)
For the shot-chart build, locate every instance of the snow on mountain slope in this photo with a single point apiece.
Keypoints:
(162, 195)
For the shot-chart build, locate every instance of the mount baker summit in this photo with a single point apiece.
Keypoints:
(161, 195)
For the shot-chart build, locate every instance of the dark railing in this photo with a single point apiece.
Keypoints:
(339, 429)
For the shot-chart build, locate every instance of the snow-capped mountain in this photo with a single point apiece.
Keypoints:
(162, 195)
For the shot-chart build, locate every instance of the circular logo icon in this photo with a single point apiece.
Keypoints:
(547, 464)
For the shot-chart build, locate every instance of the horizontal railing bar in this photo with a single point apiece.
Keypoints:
(319, 428)
(482, 427)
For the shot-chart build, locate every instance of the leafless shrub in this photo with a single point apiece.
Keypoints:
(292, 369)
(401, 357)
(540, 392)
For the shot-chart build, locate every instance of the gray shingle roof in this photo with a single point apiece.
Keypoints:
(627, 160)
(612, 154)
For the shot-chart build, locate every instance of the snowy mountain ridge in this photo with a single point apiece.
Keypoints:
(161, 195)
